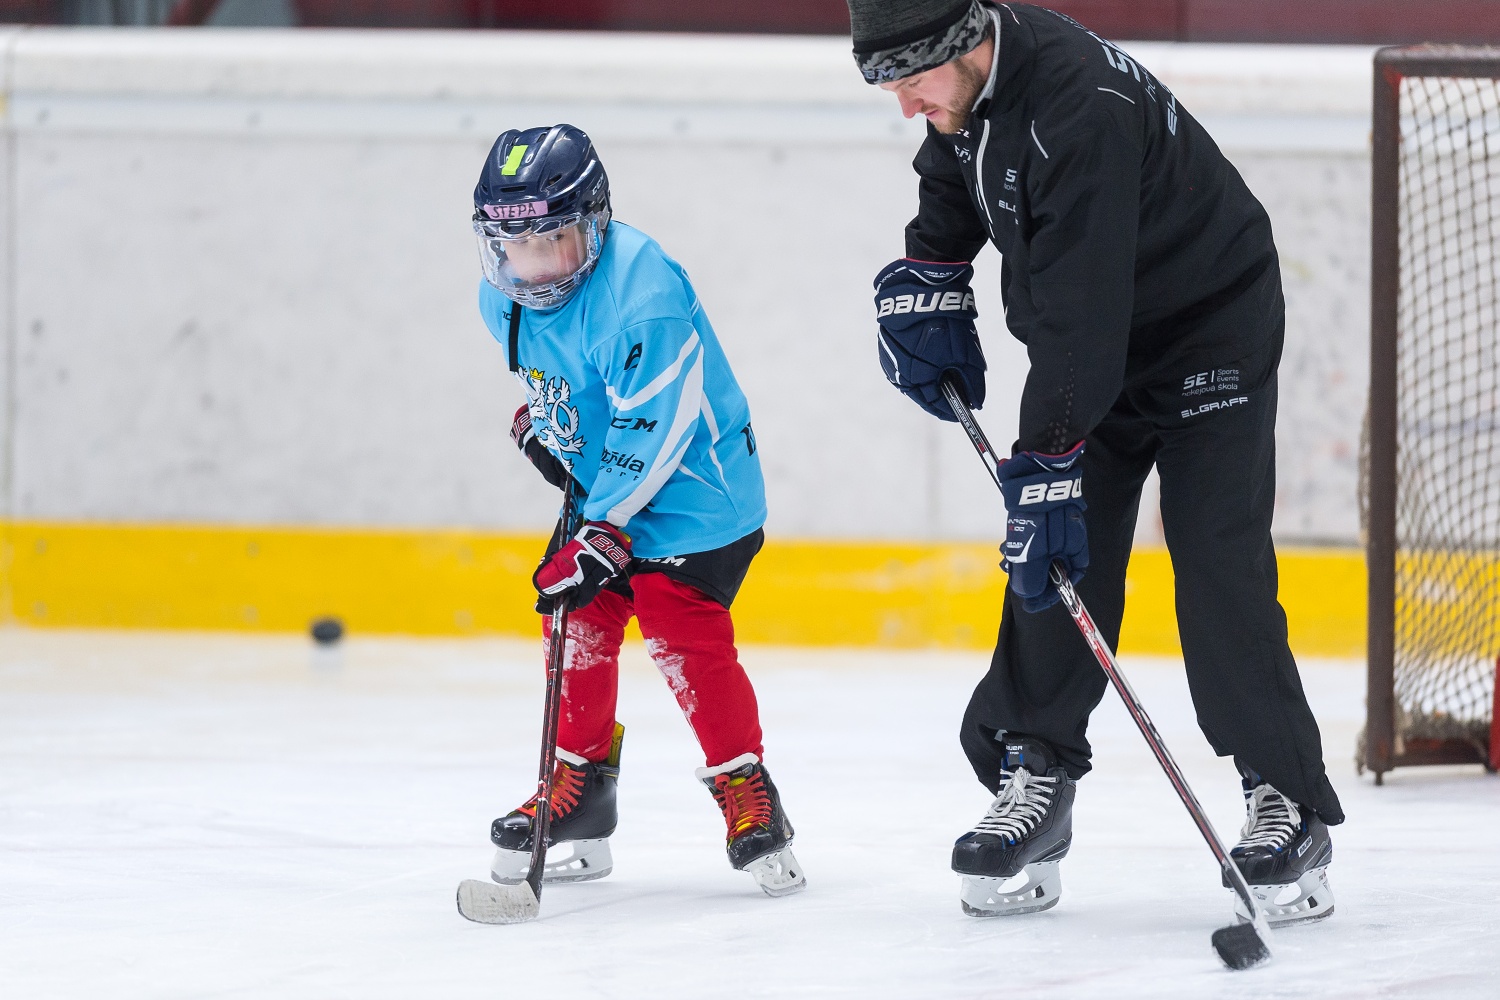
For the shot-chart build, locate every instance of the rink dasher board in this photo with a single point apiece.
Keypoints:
(322, 118)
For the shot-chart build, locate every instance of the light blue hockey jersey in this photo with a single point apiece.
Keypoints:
(629, 387)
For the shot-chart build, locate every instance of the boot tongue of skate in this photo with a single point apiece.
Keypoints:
(1272, 819)
(1025, 792)
(1034, 755)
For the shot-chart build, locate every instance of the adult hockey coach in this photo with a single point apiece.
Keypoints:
(1141, 274)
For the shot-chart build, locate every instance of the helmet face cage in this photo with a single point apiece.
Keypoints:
(541, 209)
(542, 265)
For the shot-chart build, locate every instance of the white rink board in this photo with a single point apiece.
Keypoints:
(206, 816)
(243, 283)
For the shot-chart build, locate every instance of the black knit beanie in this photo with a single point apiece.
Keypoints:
(899, 38)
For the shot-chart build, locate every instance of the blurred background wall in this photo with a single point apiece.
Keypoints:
(243, 278)
(239, 288)
(1367, 21)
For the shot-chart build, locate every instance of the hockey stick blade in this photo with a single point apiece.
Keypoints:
(1239, 946)
(488, 903)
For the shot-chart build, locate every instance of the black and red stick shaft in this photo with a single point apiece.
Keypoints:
(1111, 668)
(541, 823)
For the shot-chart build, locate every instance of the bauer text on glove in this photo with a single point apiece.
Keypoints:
(1044, 503)
(926, 315)
(580, 569)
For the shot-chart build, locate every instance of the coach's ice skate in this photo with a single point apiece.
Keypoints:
(759, 838)
(583, 817)
(1284, 855)
(1009, 860)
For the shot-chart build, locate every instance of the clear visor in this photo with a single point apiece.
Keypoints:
(539, 264)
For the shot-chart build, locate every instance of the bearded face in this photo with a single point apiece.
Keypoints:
(945, 94)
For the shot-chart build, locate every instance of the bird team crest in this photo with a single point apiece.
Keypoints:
(553, 417)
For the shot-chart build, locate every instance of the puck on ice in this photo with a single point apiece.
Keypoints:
(327, 631)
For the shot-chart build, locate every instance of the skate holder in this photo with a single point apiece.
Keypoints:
(1036, 887)
(1308, 898)
(570, 861)
(778, 873)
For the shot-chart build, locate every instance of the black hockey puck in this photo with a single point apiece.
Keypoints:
(327, 631)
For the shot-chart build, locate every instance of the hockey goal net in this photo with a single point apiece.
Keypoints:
(1432, 482)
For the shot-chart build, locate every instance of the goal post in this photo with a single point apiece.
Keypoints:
(1431, 486)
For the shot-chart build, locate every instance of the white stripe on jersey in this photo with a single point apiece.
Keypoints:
(693, 475)
(670, 455)
(713, 438)
(657, 384)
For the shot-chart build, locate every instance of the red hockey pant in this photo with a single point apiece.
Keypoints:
(690, 638)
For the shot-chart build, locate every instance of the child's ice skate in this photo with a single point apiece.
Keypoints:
(583, 817)
(759, 837)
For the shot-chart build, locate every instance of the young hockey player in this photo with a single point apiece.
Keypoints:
(1141, 275)
(630, 401)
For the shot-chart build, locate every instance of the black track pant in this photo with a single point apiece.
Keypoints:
(1217, 471)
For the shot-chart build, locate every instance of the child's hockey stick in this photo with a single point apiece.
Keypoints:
(486, 902)
(1239, 945)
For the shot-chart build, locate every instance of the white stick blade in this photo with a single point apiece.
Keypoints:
(488, 903)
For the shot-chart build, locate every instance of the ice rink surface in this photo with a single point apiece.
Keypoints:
(213, 816)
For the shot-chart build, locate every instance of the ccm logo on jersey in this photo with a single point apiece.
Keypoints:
(625, 424)
(935, 302)
(1068, 489)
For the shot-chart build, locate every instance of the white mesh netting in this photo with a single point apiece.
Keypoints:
(1448, 409)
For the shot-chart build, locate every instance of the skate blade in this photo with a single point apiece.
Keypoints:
(585, 861)
(778, 873)
(1303, 901)
(487, 903)
(1035, 888)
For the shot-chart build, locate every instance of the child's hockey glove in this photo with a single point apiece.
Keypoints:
(926, 315)
(580, 569)
(546, 463)
(1044, 501)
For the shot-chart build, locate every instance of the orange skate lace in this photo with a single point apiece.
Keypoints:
(744, 800)
(567, 789)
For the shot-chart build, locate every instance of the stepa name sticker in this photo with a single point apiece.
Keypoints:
(523, 210)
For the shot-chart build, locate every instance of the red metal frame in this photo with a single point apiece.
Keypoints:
(1494, 762)
(1385, 277)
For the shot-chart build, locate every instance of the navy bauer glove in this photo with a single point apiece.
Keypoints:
(546, 463)
(926, 315)
(1044, 501)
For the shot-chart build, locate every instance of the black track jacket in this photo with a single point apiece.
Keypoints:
(1133, 251)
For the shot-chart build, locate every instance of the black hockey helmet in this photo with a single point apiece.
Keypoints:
(541, 208)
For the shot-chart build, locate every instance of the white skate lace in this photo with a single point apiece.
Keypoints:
(1023, 800)
(1272, 820)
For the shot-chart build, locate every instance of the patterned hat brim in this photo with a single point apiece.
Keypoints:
(961, 38)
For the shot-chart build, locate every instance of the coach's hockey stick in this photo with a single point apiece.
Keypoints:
(487, 902)
(1240, 945)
